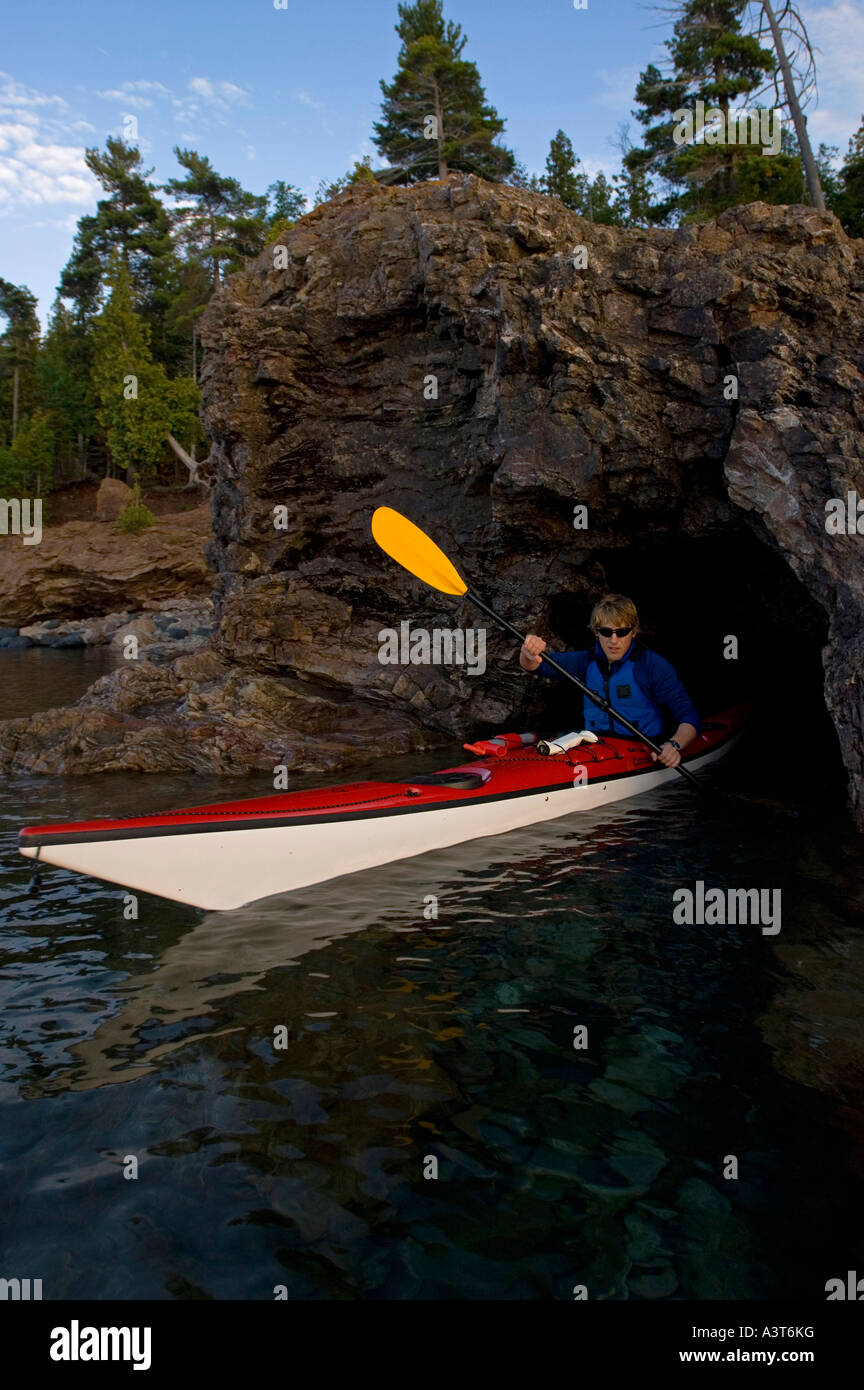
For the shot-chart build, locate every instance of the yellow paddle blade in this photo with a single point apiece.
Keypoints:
(414, 551)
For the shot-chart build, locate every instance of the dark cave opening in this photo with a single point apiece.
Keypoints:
(693, 595)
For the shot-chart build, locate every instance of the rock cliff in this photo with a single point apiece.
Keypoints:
(487, 362)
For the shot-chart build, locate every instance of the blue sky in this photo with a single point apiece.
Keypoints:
(292, 93)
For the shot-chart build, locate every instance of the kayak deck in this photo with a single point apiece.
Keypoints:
(229, 853)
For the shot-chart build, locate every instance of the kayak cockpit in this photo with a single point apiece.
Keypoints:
(460, 779)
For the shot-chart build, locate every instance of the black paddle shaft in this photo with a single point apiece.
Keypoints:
(597, 699)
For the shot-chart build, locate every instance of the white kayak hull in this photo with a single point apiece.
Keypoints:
(220, 870)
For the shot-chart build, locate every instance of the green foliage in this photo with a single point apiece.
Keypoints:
(561, 180)
(602, 206)
(138, 406)
(433, 81)
(362, 172)
(826, 160)
(136, 515)
(18, 348)
(219, 224)
(63, 376)
(632, 197)
(130, 221)
(849, 202)
(715, 61)
(11, 474)
(33, 453)
(591, 199)
(286, 204)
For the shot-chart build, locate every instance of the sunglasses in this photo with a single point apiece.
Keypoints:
(618, 631)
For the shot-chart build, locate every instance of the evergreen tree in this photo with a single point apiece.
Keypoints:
(18, 348)
(632, 197)
(435, 114)
(850, 197)
(603, 205)
(138, 407)
(362, 172)
(286, 204)
(519, 178)
(33, 454)
(826, 161)
(63, 374)
(219, 224)
(715, 62)
(192, 290)
(131, 221)
(561, 179)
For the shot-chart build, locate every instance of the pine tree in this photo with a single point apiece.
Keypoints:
(219, 224)
(63, 374)
(18, 348)
(715, 62)
(286, 204)
(138, 407)
(826, 163)
(436, 117)
(33, 454)
(131, 221)
(632, 197)
(561, 179)
(850, 198)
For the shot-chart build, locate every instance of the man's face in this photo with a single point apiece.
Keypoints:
(614, 646)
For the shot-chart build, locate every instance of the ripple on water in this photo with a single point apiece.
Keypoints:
(288, 1076)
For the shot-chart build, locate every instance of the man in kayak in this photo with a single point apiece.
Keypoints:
(638, 683)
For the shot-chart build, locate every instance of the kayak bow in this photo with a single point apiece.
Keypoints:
(232, 853)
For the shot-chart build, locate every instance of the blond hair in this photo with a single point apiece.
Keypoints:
(614, 610)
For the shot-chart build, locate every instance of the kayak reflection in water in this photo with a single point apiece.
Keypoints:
(641, 685)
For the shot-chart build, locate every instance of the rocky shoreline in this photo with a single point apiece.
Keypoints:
(164, 630)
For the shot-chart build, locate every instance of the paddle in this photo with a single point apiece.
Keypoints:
(419, 555)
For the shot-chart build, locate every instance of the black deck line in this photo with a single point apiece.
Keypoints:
(143, 832)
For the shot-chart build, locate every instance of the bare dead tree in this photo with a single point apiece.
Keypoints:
(796, 68)
(197, 468)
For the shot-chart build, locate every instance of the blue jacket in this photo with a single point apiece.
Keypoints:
(640, 686)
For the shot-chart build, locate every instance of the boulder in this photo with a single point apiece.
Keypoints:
(112, 498)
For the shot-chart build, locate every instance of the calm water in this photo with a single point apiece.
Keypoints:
(449, 1038)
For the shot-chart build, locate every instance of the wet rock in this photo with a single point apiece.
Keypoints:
(196, 714)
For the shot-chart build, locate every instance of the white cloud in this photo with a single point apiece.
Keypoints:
(36, 167)
(307, 100)
(125, 98)
(219, 94)
(140, 93)
(32, 174)
(69, 223)
(14, 93)
(837, 31)
(206, 101)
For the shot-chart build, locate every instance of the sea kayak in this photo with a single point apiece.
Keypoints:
(227, 855)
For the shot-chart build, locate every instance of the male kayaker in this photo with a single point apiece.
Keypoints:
(636, 681)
